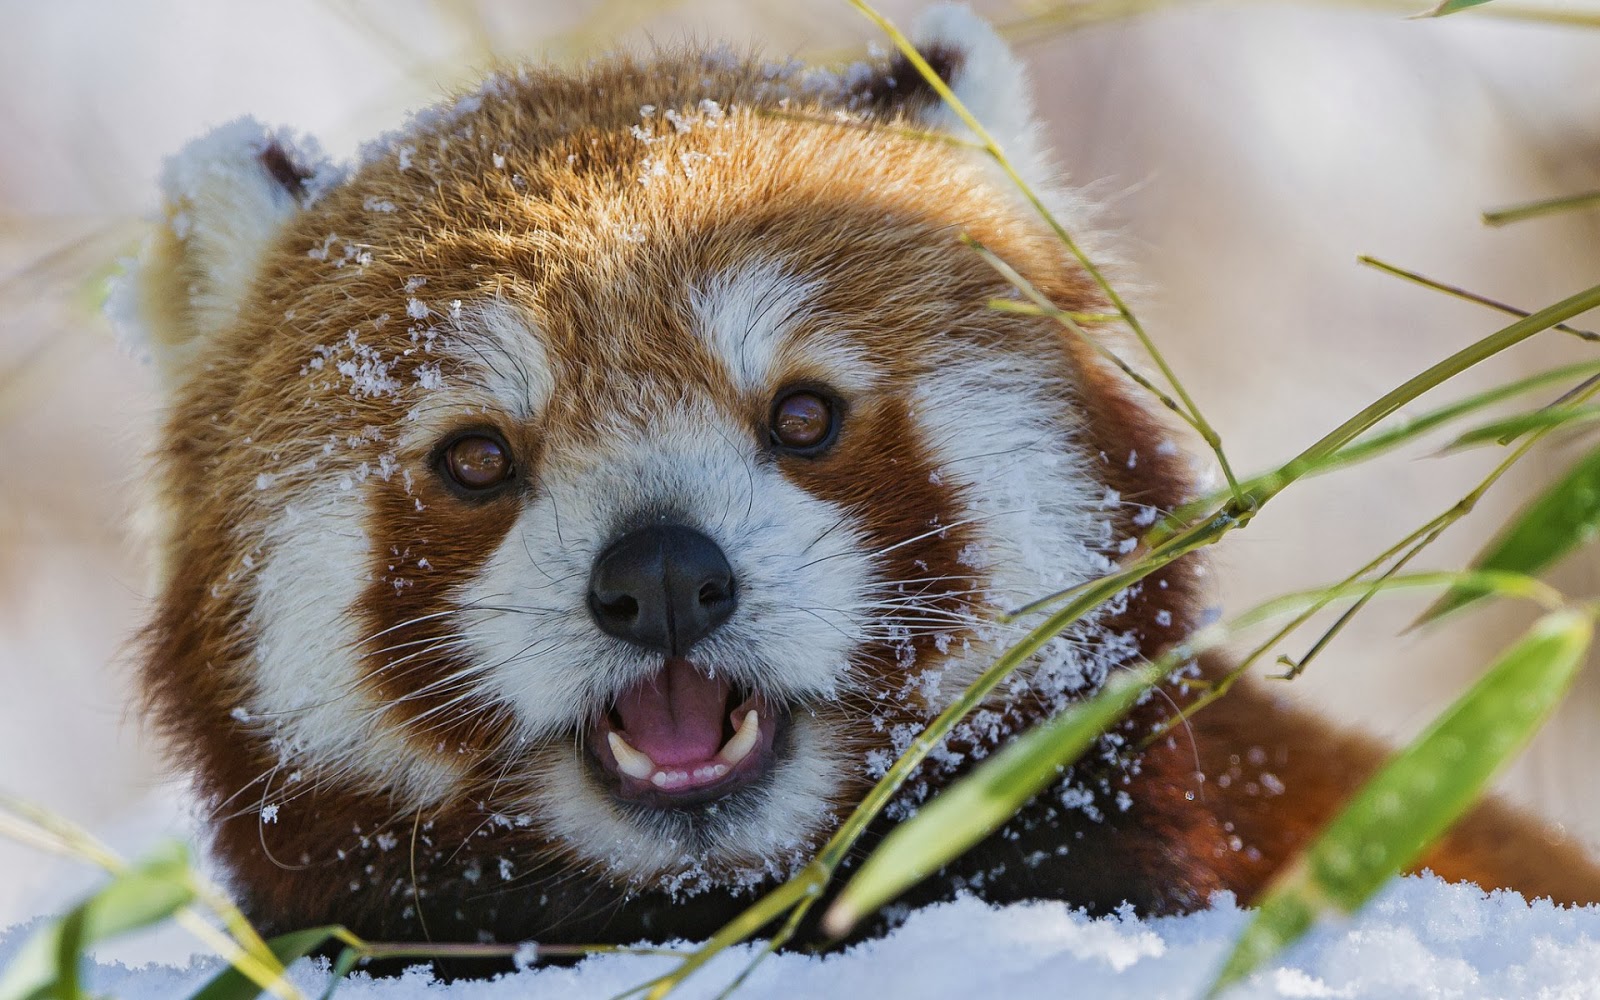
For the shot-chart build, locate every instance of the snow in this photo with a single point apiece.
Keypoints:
(1422, 937)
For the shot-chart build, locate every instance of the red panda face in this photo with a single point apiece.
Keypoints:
(620, 469)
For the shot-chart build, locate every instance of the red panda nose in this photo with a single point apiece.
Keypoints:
(664, 587)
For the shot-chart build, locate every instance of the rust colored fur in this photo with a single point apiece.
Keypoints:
(531, 200)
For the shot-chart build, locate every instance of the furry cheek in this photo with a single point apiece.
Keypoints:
(309, 695)
(1003, 440)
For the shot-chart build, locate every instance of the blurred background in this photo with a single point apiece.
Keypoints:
(1244, 154)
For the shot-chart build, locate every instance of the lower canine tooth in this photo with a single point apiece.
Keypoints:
(630, 761)
(744, 739)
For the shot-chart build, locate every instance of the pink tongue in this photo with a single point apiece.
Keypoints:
(676, 716)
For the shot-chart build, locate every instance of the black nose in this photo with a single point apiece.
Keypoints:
(664, 587)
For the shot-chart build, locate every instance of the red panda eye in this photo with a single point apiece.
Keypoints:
(477, 462)
(803, 422)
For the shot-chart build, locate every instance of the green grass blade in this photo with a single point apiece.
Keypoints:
(1513, 427)
(1419, 793)
(143, 895)
(231, 984)
(982, 801)
(1558, 521)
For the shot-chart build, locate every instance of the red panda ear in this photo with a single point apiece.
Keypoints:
(985, 75)
(227, 195)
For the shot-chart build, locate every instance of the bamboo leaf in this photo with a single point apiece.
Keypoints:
(1450, 7)
(1512, 427)
(982, 801)
(1386, 439)
(1419, 793)
(1534, 209)
(48, 965)
(1561, 519)
(231, 984)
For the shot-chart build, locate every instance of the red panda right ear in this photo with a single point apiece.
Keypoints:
(979, 68)
(227, 196)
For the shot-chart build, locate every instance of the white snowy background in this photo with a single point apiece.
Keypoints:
(1246, 153)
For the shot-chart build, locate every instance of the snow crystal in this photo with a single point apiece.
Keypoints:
(429, 377)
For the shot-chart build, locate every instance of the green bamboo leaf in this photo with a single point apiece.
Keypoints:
(1419, 793)
(48, 966)
(1546, 206)
(1515, 426)
(1450, 7)
(1381, 441)
(982, 801)
(1558, 521)
(231, 984)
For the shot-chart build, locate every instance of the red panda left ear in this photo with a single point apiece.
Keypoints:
(227, 196)
(985, 75)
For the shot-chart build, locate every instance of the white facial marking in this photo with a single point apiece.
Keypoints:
(308, 696)
(744, 316)
(749, 318)
(1040, 510)
(500, 367)
(511, 359)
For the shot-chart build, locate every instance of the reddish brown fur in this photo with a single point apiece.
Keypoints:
(877, 215)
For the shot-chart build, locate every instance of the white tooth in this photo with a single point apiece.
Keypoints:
(744, 739)
(631, 762)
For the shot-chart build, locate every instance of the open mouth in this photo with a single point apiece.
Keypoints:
(684, 736)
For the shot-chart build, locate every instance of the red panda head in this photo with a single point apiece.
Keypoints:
(614, 470)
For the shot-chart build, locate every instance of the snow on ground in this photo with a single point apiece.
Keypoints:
(1422, 938)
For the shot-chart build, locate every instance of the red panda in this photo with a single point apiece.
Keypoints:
(572, 508)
